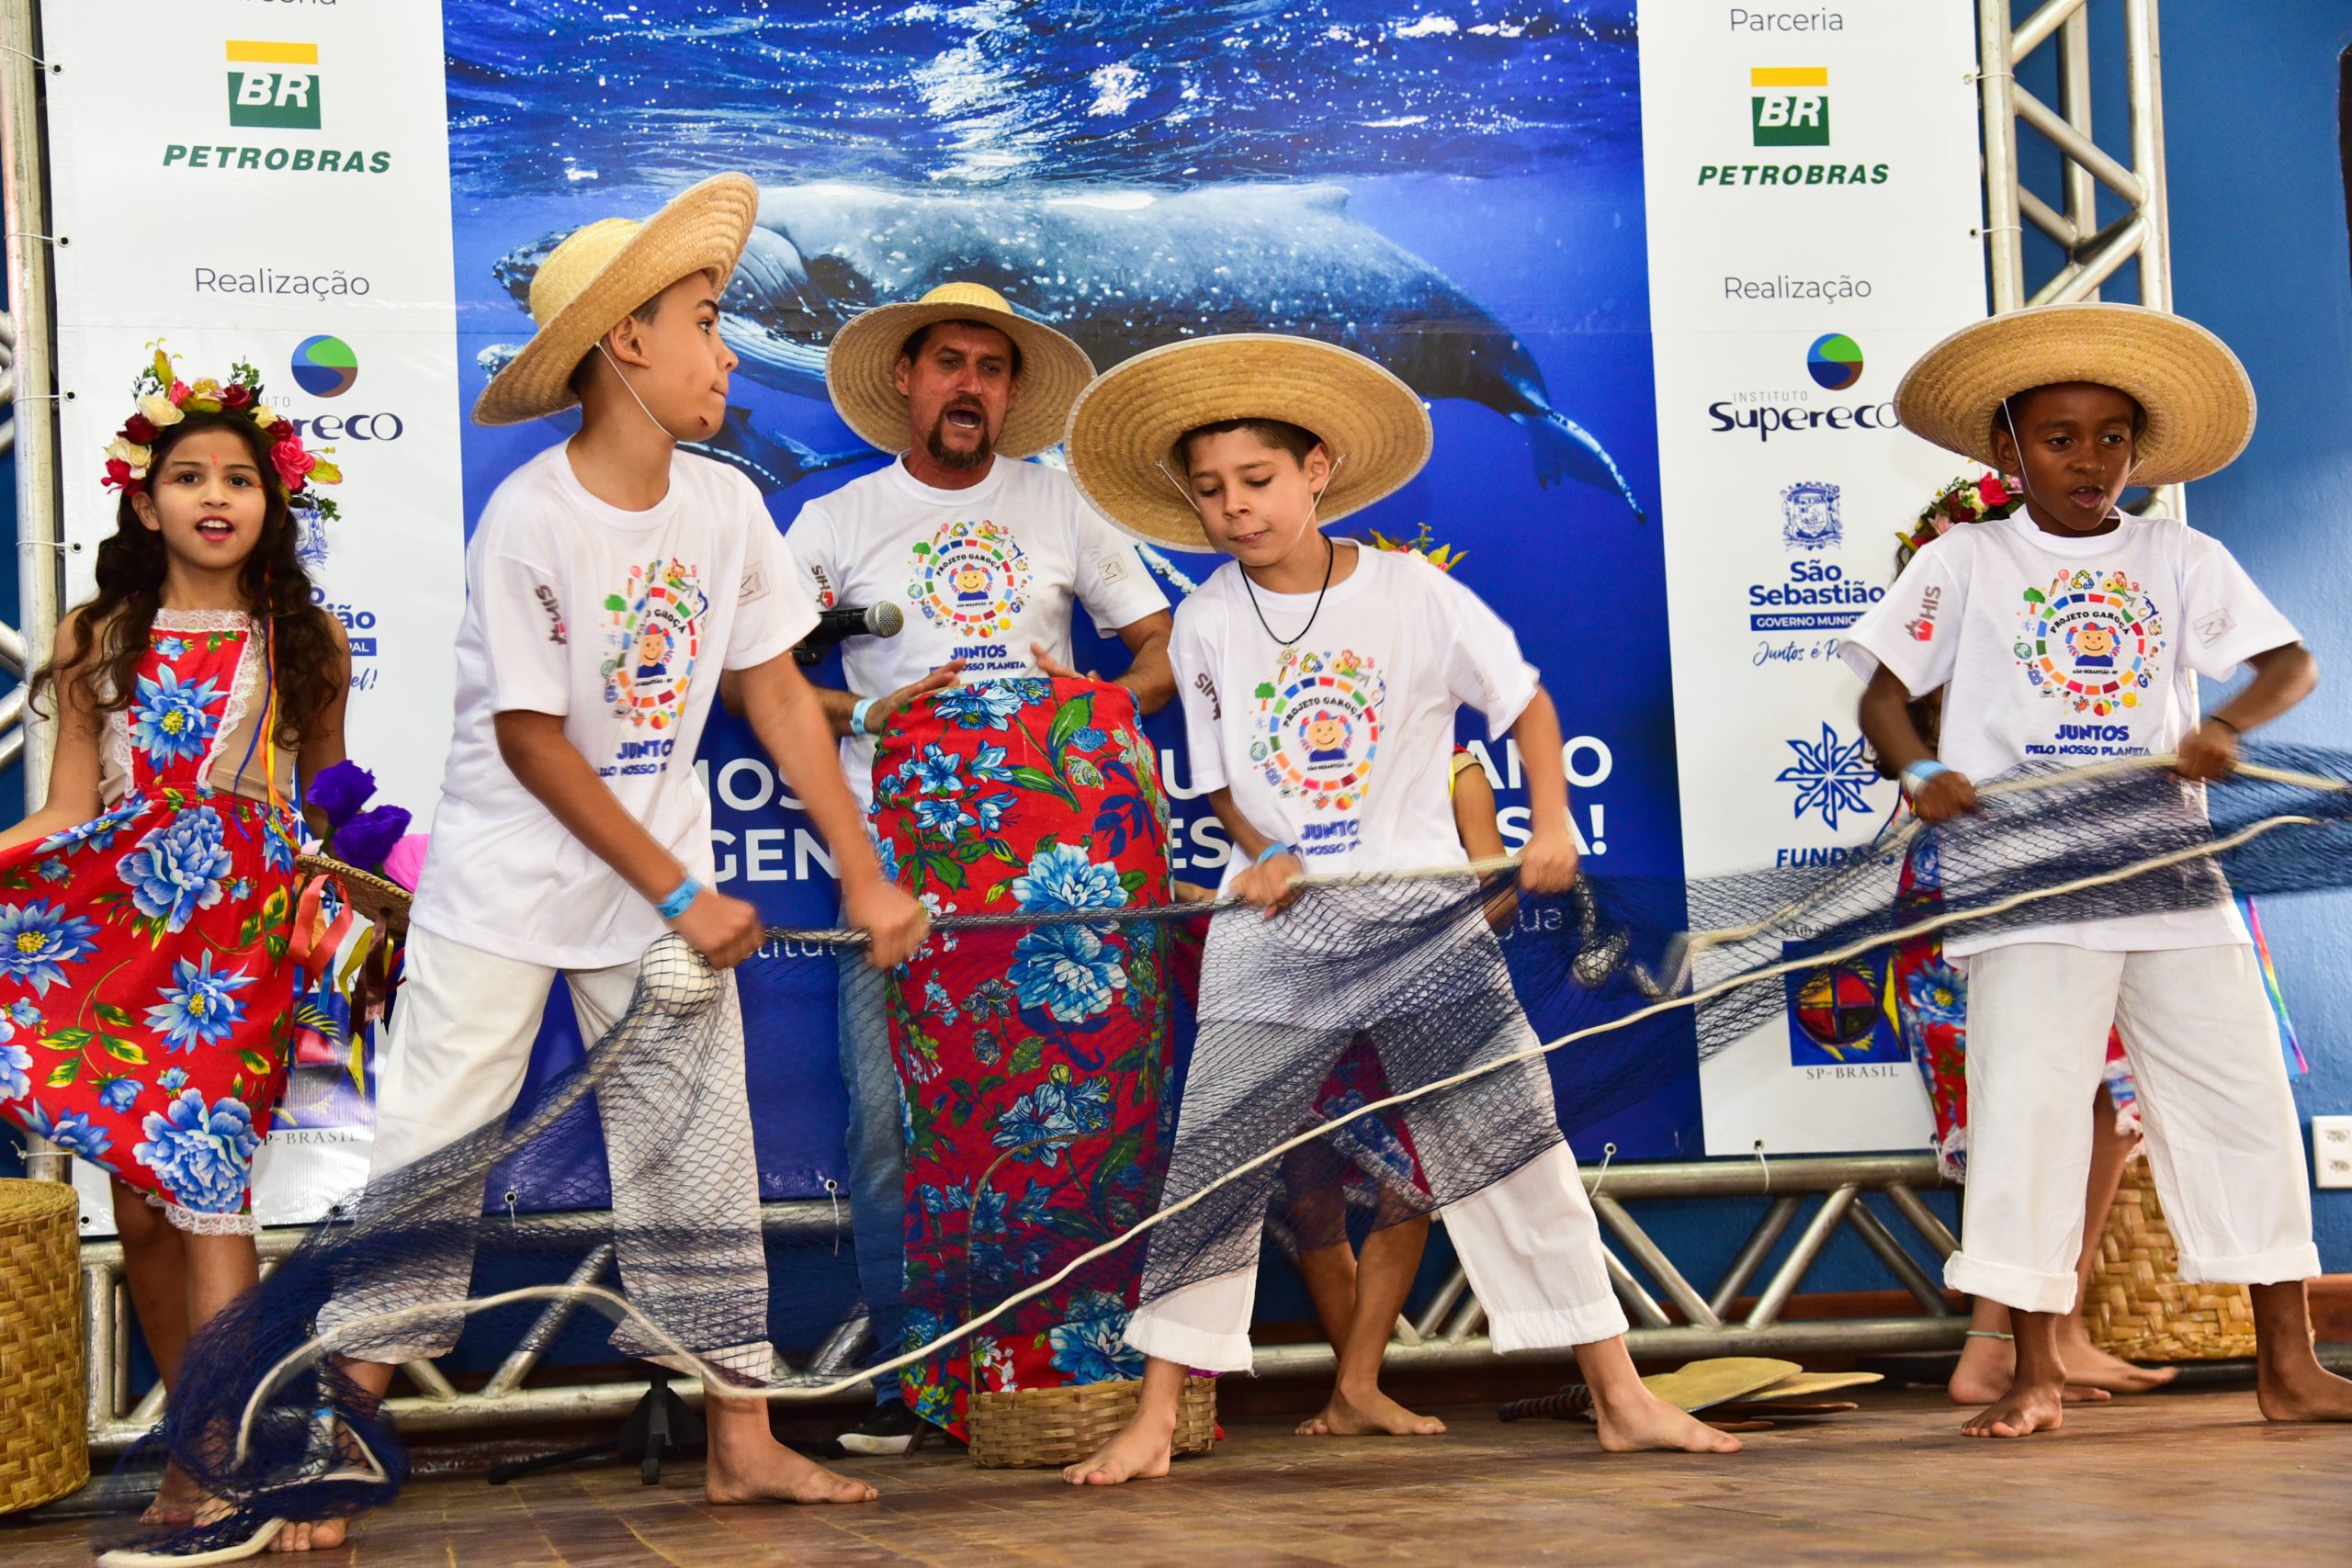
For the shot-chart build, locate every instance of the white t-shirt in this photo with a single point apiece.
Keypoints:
(979, 573)
(1341, 744)
(2071, 650)
(619, 622)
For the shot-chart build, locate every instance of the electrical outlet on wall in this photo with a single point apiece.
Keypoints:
(2332, 1151)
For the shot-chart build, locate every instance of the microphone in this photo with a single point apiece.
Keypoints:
(839, 625)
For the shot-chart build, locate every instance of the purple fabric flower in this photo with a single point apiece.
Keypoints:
(340, 791)
(367, 839)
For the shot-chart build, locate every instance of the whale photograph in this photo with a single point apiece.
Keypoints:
(1450, 188)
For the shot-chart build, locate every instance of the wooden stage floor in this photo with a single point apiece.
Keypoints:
(2178, 1478)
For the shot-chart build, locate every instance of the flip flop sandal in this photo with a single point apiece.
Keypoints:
(252, 1544)
(1807, 1385)
(1702, 1384)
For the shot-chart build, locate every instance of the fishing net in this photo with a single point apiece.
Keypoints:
(1628, 984)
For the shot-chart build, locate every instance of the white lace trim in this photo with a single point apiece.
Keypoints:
(196, 1224)
(241, 691)
(116, 766)
(201, 620)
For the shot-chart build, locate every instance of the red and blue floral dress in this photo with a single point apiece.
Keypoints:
(145, 998)
(1033, 1056)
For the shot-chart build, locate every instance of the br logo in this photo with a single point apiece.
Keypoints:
(2094, 643)
(274, 85)
(1791, 106)
(1317, 727)
(971, 578)
(654, 630)
(1837, 1013)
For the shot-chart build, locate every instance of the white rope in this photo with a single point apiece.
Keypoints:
(319, 1345)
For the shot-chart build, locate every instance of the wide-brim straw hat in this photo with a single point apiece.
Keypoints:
(1123, 428)
(862, 364)
(605, 270)
(2197, 397)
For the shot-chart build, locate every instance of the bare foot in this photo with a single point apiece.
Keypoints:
(1987, 1368)
(177, 1499)
(2087, 1366)
(1372, 1414)
(2025, 1409)
(321, 1535)
(1140, 1452)
(1642, 1420)
(771, 1473)
(2303, 1392)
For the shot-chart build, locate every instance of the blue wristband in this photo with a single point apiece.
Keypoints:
(669, 909)
(857, 716)
(1270, 850)
(1916, 776)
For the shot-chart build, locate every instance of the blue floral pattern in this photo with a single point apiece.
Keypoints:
(146, 995)
(1068, 972)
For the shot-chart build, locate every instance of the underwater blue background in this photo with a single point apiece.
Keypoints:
(1499, 144)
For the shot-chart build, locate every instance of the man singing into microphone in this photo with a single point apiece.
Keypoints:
(986, 555)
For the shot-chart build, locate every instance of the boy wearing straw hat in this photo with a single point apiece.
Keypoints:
(989, 557)
(609, 579)
(2073, 630)
(1321, 683)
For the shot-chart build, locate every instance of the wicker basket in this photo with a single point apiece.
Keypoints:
(44, 1429)
(1038, 1427)
(378, 899)
(2137, 1306)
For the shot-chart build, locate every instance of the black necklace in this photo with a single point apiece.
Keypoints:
(1330, 555)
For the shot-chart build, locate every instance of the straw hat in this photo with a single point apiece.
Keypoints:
(605, 270)
(861, 366)
(2198, 402)
(1123, 428)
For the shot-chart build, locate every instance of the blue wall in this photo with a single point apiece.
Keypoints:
(2260, 256)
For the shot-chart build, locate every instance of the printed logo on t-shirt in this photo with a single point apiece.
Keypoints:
(554, 608)
(1922, 630)
(654, 638)
(1318, 723)
(2093, 642)
(970, 578)
(2211, 629)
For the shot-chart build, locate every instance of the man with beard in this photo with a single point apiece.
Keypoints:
(986, 555)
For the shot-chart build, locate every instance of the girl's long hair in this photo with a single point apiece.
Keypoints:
(116, 621)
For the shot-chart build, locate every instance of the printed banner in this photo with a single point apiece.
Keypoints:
(1813, 209)
(270, 184)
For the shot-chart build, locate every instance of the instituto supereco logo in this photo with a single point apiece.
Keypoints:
(325, 366)
(1835, 361)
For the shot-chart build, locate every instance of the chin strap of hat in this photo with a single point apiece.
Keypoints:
(632, 390)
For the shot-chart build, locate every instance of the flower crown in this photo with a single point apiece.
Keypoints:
(1445, 557)
(1987, 496)
(164, 401)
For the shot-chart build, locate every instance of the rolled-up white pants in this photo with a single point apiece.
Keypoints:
(1528, 1241)
(2223, 1137)
(457, 1052)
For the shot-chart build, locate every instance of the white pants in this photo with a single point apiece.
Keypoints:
(2222, 1135)
(459, 1047)
(1527, 1239)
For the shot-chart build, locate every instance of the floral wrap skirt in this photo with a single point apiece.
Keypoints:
(1033, 1058)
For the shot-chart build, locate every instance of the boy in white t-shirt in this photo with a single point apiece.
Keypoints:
(611, 579)
(2069, 630)
(1321, 683)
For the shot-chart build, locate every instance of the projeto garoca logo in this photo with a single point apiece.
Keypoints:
(275, 85)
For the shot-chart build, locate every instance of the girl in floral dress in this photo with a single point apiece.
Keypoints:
(145, 909)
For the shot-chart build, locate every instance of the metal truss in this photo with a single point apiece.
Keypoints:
(1448, 1331)
(2090, 252)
